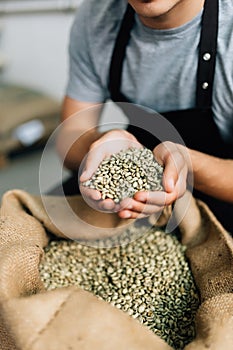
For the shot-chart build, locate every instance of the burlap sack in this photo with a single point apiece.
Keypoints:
(70, 318)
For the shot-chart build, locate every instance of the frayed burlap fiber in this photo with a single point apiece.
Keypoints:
(32, 318)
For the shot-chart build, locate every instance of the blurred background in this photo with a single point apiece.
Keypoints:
(34, 38)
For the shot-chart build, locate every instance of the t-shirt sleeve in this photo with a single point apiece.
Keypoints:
(83, 82)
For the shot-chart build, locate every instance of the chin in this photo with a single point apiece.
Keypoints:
(152, 8)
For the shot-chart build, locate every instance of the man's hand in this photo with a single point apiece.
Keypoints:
(175, 160)
(112, 142)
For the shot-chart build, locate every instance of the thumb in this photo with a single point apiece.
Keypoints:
(85, 176)
(168, 184)
(92, 162)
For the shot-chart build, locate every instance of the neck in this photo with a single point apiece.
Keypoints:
(183, 12)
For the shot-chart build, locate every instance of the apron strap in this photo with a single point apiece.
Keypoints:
(118, 55)
(207, 54)
(206, 62)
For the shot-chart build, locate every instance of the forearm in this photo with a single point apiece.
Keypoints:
(213, 176)
(78, 130)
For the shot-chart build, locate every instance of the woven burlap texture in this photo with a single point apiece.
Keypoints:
(70, 318)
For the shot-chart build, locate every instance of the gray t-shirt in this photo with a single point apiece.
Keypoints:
(160, 66)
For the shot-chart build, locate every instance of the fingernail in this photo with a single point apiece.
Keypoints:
(140, 197)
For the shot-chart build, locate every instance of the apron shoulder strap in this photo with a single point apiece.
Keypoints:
(207, 54)
(206, 60)
(118, 54)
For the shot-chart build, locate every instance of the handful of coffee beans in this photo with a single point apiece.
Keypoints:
(125, 173)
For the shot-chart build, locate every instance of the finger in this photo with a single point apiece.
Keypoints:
(181, 184)
(127, 214)
(126, 203)
(92, 161)
(107, 205)
(90, 193)
(173, 166)
(159, 198)
(139, 207)
(169, 155)
(151, 197)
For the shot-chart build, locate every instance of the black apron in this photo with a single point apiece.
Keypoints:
(196, 126)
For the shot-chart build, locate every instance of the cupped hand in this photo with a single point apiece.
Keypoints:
(110, 143)
(175, 160)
